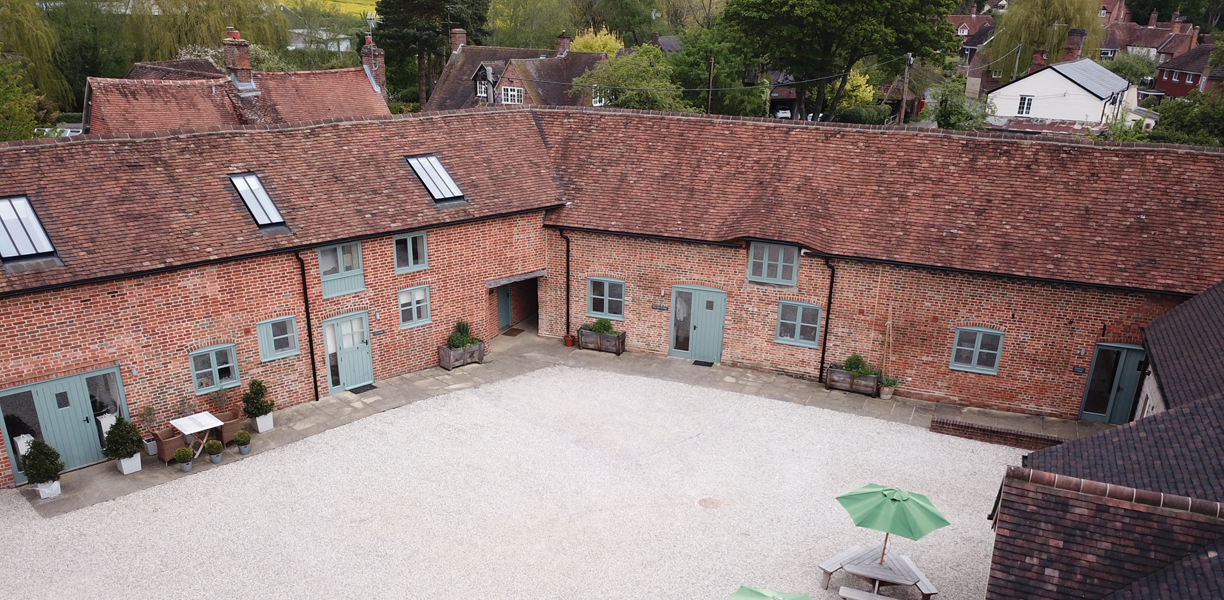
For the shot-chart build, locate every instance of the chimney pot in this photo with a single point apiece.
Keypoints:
(1039, 59)
(1152, 19)
(458, 38)
(563, 43)
(237, 56)
(1075, 44)
(375, 59)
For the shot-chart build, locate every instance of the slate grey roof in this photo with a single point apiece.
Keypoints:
(1098, 80)
(1199, 575)
(1186, 349)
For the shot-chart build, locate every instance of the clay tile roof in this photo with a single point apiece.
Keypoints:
(185, 68)
(979, 37)
(1199, 574)
(1195, 60)
(973, 22)
(1186, 347)
(310, 95)
(539, 75)
(454, 89)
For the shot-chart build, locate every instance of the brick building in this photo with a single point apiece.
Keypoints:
(196, 261)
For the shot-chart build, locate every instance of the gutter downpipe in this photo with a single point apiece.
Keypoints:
(314, 372)
(567, 279)
(824, 344)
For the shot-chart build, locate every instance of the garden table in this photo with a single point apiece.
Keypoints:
(865, 563)
(196, 423)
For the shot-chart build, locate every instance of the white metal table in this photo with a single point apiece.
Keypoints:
(192, 424)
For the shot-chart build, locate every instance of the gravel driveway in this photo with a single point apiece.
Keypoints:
(562, 483)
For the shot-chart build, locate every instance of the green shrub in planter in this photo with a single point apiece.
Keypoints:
(122, 441)
(242, 437)
(254, 400)
(457, 340)
(42, 463)
(214, 447)
(602, 326)
(858, 367)
(890, 382)
(184, 455)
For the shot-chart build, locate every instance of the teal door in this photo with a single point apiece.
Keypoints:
(349, 362)
(698, 314)
(503, 307)
(64, 413)
(1113, 383)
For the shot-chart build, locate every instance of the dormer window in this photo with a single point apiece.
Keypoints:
(21, 233)
(435, 178)
(482, 91)
(512, 95)
(257, 200)
(1103, 11)
(963, 30)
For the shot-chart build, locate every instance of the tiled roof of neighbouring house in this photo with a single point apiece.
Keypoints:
(836, 189)
(1065, 538)
(1199, 575)
(546, 78)
(972, 22)
(979, 37)
(455, 89)
(1193, 61)
(1186, 348)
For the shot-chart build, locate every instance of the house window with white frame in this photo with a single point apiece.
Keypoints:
(481, 90)
(1026, 105)
(964, 30)
(1189, 77)
(512, 95)
(1176, 76)
(996, 73)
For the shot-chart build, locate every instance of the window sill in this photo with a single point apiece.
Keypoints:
(344, 293)
(415, 324)
(608, 317)
(798, 343)
(973, 370)
(794, 285)
(401, 271)
(285, 354)
(225, 386)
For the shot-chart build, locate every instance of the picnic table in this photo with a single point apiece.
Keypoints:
(193, 424)
(861, 562)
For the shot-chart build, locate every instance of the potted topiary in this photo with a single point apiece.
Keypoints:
(888, 385)
(257, 406)
(214, 448)
(146, 416)
(184, 456)
(243, 439)
(854, 375)
(600, 336)
(461, 348)
(42, 468)
(122, 445)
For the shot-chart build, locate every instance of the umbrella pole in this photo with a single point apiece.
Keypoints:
(885, 547)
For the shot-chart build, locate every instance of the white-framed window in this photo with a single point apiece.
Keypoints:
(1164, 75)
(1176, 76)
(606, 298)
(964, 30)
(1026, 105)
(277, 338)
(512, 95)
(256, 198)
(597, 98)
(996, 73)
(414, 306)
(1103, 11)
(213, 368)
(481, 90)
(1189, 77)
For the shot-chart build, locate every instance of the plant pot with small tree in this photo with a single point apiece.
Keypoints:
(123, 444)
(146, 416)
(214, 448)
(42, 468)
(183, 456)
(888, 385)
(854, 375)
(602, 337)
(461, 348)
(243, 439)
(257, 406)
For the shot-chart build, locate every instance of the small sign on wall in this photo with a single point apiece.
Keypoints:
(659, 307)
(1078, 370)
(378, 332)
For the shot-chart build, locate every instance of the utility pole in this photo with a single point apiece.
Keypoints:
(909, 59)
(710, 91)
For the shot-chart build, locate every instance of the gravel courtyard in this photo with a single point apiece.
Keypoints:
(563, 483)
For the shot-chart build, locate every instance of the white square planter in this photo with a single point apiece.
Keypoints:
(129, 465)
(48, 490)
(263, 423)
(150, 444)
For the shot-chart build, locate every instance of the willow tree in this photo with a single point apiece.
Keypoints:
(1033, 25)
(28, 38)
(158, 29)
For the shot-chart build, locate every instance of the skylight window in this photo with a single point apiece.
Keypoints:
(21, 234)
(257, 199)
(439, 183)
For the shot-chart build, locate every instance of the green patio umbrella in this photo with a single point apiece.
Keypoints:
(747, 593)
(893, 511)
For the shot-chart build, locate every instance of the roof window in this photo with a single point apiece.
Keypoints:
(21, 234)
(257, 200)
(439, 183)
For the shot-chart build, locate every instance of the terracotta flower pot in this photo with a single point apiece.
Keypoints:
(569, 341)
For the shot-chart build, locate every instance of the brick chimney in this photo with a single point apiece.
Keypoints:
(458, 38)
(654, 39)
(563, 43)
(237, 57)
(1152, 20)
(374, 59)
(1075, 44)
(1039, 60)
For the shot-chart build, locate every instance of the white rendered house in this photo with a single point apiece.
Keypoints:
(1078, 90)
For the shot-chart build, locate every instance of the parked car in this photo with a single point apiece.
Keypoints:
(783, 113)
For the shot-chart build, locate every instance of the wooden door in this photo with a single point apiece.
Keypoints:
(349, 361)
(503, 307)
(698, 314)
(68, 421)
(1112, 383)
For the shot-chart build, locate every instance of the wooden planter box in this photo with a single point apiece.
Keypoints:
(603, 342)
(838, 379)
(449, 358)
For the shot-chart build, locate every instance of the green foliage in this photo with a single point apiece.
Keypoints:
(1029, 25)
(262, 59)
(69, 117)
(91, 43)
(254, 400)
(18, 105)
(160, 29)
(597, 41)
(146, 416)
(29, 39)
(463, 328)
(461, 337)
(1119, 131)
(890, 382)
(640, 80)
(421, 28)
(214, 447)
(1142, 9)
(691, 69)
(630, 20)
(602, 326)
(184, 455)
(528, 23)
(1132, 67)
(951, 109)
(42, 463)
(242, 437)
(857, 366)
(858, 92)
(400, 108)
(1196, 120)
(123, 440)
(872, 114)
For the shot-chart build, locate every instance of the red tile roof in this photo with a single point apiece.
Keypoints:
(972, 22)
(455, 90)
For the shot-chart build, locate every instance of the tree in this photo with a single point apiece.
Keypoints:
(261, 58)
(628, 19)
(1141, 10)
(859, 91)
(601, 41)
(421, 28)
(818, 41)
(28, 37)
(1197, 119)
(91, 43)
(159, 29)
(951, 109)
(1042, 25)
(691, 69)
(1132, 67)
(528, 23)
(18, 105)
(640, 80)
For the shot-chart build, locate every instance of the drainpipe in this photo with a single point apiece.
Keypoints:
(824, 344)
(314, 372)
(567, 280)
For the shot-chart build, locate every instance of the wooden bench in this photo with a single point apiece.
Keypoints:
(924, 585)
(828, 567)
(853, 594)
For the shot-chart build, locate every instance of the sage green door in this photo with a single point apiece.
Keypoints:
(349, 362)
(503, 307)
(1113, 383)
(698, 314)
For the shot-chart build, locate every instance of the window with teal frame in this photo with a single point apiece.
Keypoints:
(798, 324)
(340, 269)
(606, 298)
(773, 263)
(977, 350)
(277, 338)
(411, 253)
(214, 368)
(414, 307)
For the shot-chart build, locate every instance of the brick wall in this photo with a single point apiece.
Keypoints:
(994, 435)
(1046, 326)
(147, 325)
